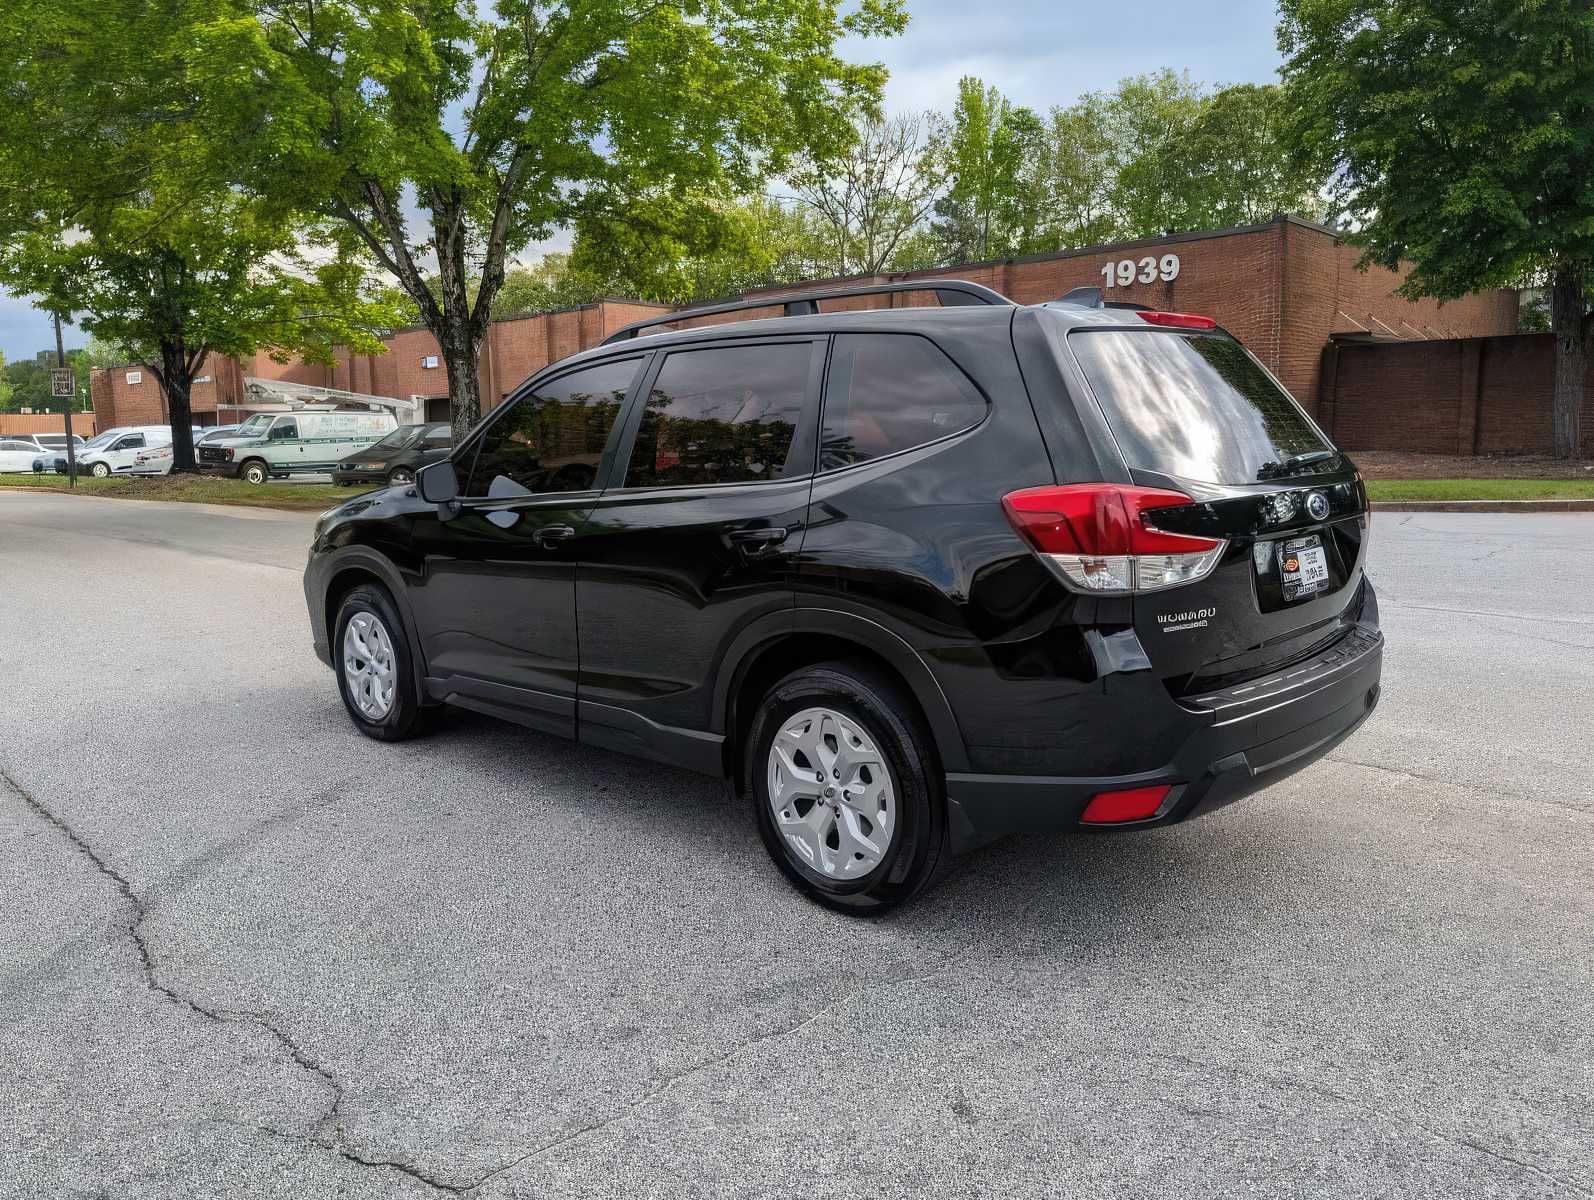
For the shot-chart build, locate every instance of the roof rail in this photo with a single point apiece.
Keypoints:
(953, 293)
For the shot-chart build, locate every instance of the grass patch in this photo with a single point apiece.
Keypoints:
(196, 489)
(1480, 489)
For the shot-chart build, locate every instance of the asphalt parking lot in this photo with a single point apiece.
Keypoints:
(246, 952)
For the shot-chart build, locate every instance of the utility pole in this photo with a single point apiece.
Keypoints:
(71, 450)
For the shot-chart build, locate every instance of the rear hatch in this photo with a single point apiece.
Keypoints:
(1192, 412)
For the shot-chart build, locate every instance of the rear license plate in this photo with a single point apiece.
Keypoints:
(1303, 567)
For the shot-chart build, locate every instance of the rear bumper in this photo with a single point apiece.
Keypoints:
(1248, 737)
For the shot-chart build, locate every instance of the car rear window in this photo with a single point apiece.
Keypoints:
(1192, 405)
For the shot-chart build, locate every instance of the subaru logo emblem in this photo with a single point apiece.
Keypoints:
(1316, 505)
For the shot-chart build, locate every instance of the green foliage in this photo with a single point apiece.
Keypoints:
(509, 123)
(1156, 155)
(746, 244)
(1460, 137)
(112, 203)
(6, 387)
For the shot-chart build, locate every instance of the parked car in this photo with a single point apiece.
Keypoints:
(396, 457)
(911, 578)
(17, 455)
(56, 441)
(305, 441)
(158, 459)
(213, 433)
(110, 453)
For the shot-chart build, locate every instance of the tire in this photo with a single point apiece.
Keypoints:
(254, 471)
(100, 470)
(400, 477)
(882, 721)
(383, 705)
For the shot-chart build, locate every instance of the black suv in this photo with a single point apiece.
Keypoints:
(911, 578)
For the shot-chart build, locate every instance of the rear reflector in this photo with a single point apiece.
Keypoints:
(1101, 539)
(1136, 804)
(1178, 320)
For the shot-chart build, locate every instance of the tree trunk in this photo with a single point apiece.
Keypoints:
(1571, 357)
(176, 384)
(462, 359)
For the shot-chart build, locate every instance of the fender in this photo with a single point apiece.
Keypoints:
(748, 645)
(363, 558)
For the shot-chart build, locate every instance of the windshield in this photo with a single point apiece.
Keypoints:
(1197, 407)
(398, 439)
(94, 443)
(255, 426)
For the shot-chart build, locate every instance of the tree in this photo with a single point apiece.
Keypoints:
(872, 200)
(1237, 168)
(1461, 139)
(1149, 121)
(1078, 173)
(987, 152)
(747, 244)
(432, 128)
(111, 204)
(6, 388)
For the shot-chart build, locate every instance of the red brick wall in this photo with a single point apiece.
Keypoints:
(1457, 396)
(118, 402)
(10, 423)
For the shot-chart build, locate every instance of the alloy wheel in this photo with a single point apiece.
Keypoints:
(831, 794)
(369, 670)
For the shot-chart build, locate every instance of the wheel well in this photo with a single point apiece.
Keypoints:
(780, 658)
(340, 585)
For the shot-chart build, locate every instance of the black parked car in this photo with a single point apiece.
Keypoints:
(911, 578)
(397, 457)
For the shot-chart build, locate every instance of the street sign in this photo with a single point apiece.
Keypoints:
(63, 383)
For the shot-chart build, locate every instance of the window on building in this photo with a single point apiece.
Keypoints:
(889, 392)
(553, 439)
(724, 415)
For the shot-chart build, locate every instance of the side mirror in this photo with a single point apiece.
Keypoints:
(438, 483)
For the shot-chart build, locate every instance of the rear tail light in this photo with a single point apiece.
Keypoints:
(1135, 804)
(1101, 537)
(1177, 320)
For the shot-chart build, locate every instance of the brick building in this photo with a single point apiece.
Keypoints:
(1287, 289)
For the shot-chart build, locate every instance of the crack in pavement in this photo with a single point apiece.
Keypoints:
(328, 1128)
(663, 1086)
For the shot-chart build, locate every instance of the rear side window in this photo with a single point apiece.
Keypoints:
(891, 392)
(553, 439)
(1193, 406)
(729, 414)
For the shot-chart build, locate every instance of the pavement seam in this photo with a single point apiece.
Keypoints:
(331, 1118)
(708, 1064)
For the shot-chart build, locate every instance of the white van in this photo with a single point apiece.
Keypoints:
(271, 445)
(114, 451)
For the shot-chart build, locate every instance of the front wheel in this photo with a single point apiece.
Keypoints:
(847, 799)
(254, 471)
(100, 470)
(401, 477)
(372, 660)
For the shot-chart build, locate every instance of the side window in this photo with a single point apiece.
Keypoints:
(133, 441)
(729, 414)
(285, 428)
(553, 439)
(437, 436)
(889, 392)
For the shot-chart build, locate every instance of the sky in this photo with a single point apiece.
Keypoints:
(1039, 52)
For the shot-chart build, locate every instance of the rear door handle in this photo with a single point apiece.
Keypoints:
(759, 537)
(552, 535)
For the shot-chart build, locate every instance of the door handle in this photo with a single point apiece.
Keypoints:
(755, 543)
(552, 535)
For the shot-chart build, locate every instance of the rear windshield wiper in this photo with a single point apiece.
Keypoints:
(1294, 463)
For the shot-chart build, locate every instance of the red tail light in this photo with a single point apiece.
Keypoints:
(1102, 539)
(1178, 320)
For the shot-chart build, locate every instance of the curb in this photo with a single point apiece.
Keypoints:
(246, 511)
(1485, 506)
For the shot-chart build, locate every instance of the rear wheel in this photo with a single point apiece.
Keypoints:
(372, 660)
(254, 471)
(847, 799)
